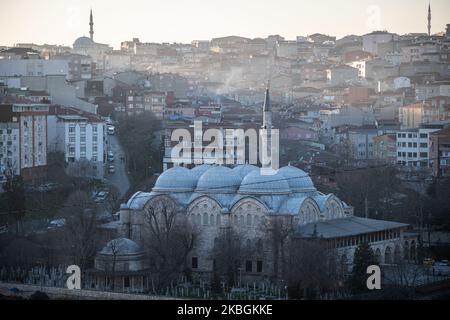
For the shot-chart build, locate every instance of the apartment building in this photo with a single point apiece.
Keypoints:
(23, 145)
(413, 147)
(81, 137)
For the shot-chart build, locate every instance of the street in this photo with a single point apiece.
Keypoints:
(119, 178)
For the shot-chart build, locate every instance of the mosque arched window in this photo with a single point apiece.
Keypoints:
(218, 220)
(212, 221)
(205, 219)
(249, 220)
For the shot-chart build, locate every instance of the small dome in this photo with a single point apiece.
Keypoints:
(121, 246)
(176, 179)
(219, 179)
(244, 169)
(298, 180)
(258, 183)
(83, 41)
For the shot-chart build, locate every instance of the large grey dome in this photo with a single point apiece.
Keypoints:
(218, 179)
(298, 180)
(176, 179)
(121, 246)
(82, 42)
(256, 182)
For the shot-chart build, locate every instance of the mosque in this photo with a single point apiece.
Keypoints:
(215, 198)
(87, 46)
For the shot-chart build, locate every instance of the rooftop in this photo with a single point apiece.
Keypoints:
(345, 227)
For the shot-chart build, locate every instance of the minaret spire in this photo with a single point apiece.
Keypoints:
(267, 109)
(429, 19)
(91, 25)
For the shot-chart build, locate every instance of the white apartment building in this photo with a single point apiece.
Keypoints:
(413, 147)
(82, 138)
(9, 149)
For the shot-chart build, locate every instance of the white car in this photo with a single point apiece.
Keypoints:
(101, 196)
(57, 223)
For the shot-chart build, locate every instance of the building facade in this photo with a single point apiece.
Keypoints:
(24, 139)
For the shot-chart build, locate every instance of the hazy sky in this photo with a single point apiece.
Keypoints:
(62, 21)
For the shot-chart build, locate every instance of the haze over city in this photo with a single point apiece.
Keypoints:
(58, 22)
(225, 150)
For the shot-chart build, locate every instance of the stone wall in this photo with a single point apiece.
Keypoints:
(25, 291)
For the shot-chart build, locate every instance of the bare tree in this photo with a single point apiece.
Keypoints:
(15, 198)
(115, 246)
(280, 229)
(80, 230)
(168, 238)
(113, 201)
(228, 251)
(312, 269)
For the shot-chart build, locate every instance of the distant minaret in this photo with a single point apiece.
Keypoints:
(267, 110)
(91, 25)
(266, 133)
(429, 19)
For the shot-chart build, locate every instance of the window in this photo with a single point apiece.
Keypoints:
(248, 266)
(126, 282)
(259, 266)
(205, 219)
(249, 220)
(424, 145)
(423, 154)
(424, 135)
(218, 220)
(194, 262)
(71, 129)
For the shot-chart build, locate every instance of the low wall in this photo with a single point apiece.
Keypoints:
(25, 291)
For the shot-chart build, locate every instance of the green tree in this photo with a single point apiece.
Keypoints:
(364, 257)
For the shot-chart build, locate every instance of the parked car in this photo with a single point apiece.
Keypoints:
(111, 169)
(4, 228)
(428, 261)
(441, 268)
(101, 196)
(110, 156)
(56, 223)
